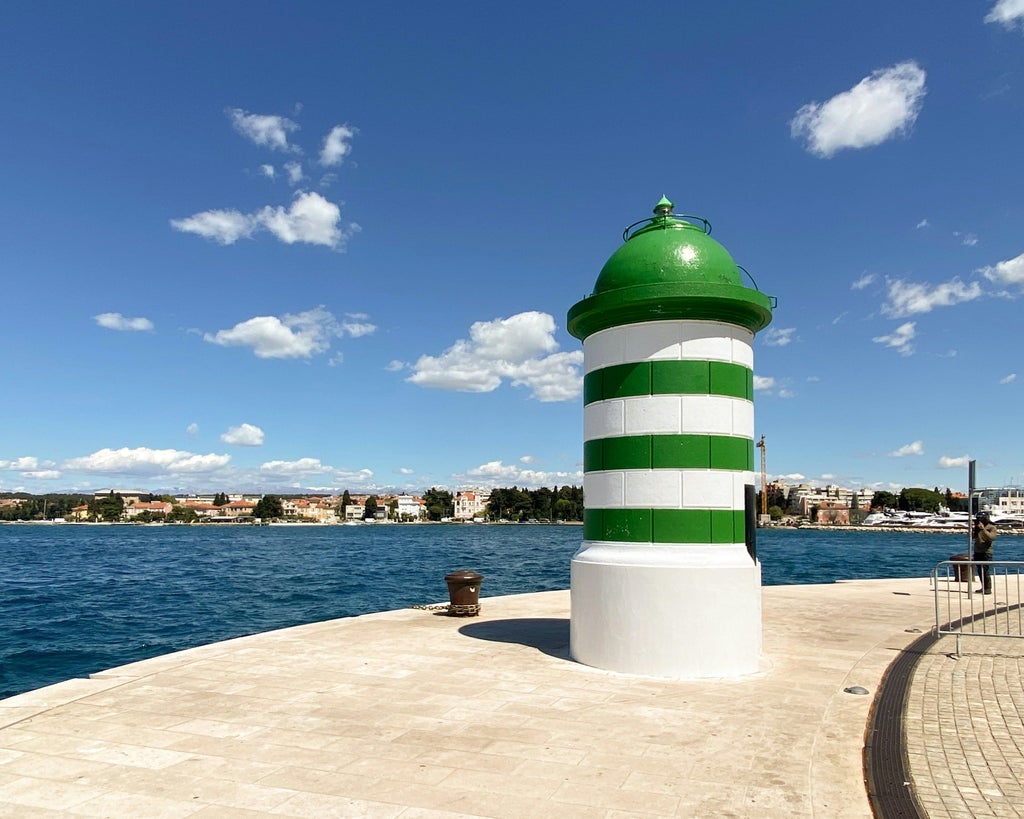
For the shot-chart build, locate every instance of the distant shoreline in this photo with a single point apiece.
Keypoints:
(927, 530)
(924, 530)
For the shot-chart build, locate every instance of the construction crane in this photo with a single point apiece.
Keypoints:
(764, 476)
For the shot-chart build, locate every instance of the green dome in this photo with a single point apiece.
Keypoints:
(668, 250)
(669, 269)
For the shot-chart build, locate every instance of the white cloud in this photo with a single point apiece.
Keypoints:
(306, 468)
(863, 281)
(243, 435)
(268, 171)
(901, 339)
(923, 224)
(264, 129)
(144, 461)
(1006, 273)
(310, 219)
(915, 448)
(299, 335)
(779, 336)
(303, 466)
(222, 226)
(1008, 13)
(192, 430)
(1008, 379)
(395, 366)
(879, 107)
(404, 470)
(527, 459)
(295, 174)
(520, 348)
(763, 382)
(355, 325)
(115, 321)
(552, 378)
(23, 464)
(496, 473)
(966, 239)
(336, 146)
(946, 462)
(43, 474)
(909, 298)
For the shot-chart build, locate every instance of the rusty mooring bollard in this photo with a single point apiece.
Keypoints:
(464, 592)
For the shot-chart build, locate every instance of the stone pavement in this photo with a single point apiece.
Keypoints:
(413, 714)
(965, 719)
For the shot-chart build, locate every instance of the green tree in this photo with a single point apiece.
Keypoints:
(220, 499)
(918, 499)
(268, 507)
(775, 512)
(543, 503)
(346, 500)
(111, 507)
(573, 494)
(439, 502)
(563, 509)
(182, 514)
(370, 508)
(884, 500)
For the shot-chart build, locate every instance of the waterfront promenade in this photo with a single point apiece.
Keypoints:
(413, 714)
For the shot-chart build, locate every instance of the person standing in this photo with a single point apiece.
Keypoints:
(984, 536)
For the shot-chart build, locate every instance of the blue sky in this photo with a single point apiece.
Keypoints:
(281, 247)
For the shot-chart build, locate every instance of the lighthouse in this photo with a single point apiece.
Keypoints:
(666, 582)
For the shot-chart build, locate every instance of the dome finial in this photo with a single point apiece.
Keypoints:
(664, 207)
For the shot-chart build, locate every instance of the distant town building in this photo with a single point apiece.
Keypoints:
(470, 504)
(804, 497)
(832, 513)
(153, 507)
(202, 509)
(237, 509)
(1005, 499)
(129, 496)
(409, 507)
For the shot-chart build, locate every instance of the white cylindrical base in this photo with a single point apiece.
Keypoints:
(679, 611)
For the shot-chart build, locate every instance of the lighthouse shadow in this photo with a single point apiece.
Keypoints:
(549, 635)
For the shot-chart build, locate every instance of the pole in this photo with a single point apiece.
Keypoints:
(764, 476)
(970, 534)
(970, 508)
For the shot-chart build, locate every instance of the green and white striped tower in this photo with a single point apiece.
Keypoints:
(667, 582)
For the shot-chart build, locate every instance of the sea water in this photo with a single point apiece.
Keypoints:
(77, 599)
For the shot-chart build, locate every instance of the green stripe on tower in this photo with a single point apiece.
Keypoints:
(669, 452)
(664, 525)
(669, 378)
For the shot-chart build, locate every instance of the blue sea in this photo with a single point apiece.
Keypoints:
(75, 600)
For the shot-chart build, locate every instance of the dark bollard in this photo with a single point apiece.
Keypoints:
(963, 570)
(464, 591)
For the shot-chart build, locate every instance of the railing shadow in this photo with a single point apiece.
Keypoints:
(549, 635)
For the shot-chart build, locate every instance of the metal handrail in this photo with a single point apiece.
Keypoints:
(966, 611)
(663, 223)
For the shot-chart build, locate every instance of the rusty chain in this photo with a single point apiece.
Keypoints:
(451, 608)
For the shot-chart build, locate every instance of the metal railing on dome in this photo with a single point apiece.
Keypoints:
(961, 607)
